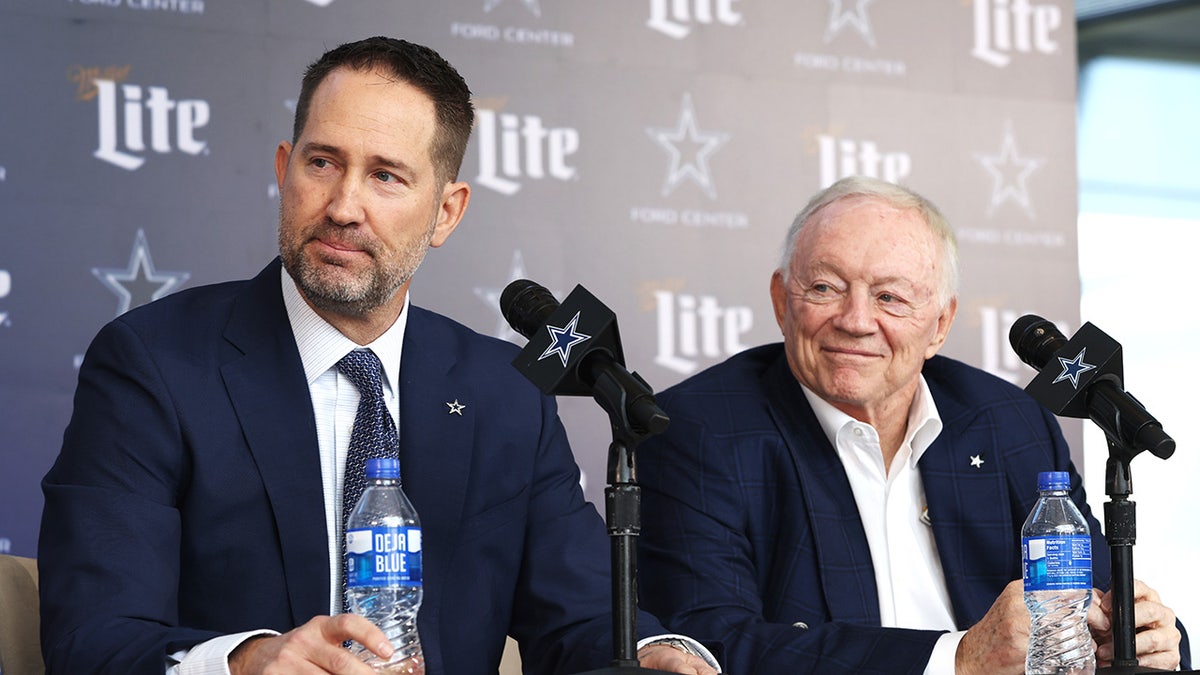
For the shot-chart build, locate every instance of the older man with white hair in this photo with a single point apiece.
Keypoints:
(847, 500)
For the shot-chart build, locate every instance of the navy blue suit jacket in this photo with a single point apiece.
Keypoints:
(187, 500)
(752, 538)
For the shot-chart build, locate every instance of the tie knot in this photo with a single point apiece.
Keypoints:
(364, 370)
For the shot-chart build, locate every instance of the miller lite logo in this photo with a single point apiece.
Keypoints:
(1004, 27)
(999, 358)
(842, 157)
(694, 327)
(134, 119)
(674, 18)
(513, 147)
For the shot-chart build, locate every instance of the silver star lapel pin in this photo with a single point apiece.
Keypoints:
(977, 461)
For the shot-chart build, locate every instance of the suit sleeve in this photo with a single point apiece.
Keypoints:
(704, 571)
(110, 535)
(562, 612)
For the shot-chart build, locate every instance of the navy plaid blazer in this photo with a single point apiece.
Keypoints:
(752, 541)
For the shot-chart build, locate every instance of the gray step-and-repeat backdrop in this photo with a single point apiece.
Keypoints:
(654, 151)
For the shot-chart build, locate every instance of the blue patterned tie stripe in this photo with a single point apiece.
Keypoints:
(374, 433)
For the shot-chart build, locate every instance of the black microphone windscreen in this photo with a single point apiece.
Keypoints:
(1035, 340)
(526, 305)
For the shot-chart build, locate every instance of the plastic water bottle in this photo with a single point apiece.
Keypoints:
(1057, 552)
(383, 567)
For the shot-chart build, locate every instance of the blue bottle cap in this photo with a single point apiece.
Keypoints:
(383, 467)
(1054, 480)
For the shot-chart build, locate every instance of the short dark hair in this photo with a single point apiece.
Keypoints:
(417, 65)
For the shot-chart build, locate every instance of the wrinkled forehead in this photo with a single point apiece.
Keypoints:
(868, 239)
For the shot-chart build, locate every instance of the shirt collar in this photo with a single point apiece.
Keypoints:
(322, 346)
(924, 422)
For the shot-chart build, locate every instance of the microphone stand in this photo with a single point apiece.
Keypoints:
(623, 510)
(1120, 528)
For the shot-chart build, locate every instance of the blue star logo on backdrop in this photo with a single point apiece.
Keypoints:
(687, 132)
(490, 296)
(139, 282)
(563, 339)
(1010, 173)
(1073, 368)
(840, 17)
(531, 5)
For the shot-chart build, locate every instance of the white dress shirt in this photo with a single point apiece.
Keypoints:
(891, 503)
(335, 403)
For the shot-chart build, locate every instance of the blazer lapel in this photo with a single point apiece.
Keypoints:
(847, 574)
(436, 443)
(968, 504)
(270, 394)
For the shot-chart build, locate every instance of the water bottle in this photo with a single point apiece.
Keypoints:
(1057, 561)
(383, 567)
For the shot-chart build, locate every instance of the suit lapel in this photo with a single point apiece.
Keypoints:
(968, 503)
(435, 449)
(844, 557)
(270, 394)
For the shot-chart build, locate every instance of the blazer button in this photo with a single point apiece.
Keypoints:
(801, 625)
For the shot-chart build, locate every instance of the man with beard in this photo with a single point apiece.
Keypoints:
(193, 517)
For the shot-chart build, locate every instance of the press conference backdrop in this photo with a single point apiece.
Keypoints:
(654, 151)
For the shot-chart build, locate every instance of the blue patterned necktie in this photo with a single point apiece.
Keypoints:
(374, 433)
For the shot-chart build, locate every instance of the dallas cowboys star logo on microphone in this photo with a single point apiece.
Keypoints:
(563, 339)
(1073, 368)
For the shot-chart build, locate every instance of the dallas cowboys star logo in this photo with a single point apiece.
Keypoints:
(562, 339)
(1010, 174)
(840, 17)
(456, 408)
(686, 132)
(1073, 368)
(490, 296)
(531, 5)
(139, 283)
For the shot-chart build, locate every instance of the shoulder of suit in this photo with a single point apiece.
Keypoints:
(968, 385)
(742, 371)
(429, 320)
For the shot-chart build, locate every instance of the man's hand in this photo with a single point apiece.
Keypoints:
(998, 643)
(315, 647)
(668, 658)
(1156, 639)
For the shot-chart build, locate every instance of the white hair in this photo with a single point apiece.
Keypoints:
(898, 197)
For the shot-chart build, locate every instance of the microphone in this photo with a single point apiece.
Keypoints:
(575, 349)
(1081, 377)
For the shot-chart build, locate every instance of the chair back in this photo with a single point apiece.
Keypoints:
(20, 645)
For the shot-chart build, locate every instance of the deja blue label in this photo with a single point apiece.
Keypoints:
(383, 556)
(1057, 563)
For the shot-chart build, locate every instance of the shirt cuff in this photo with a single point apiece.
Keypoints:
(941, 661)
(694, 648)
(212, 656)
